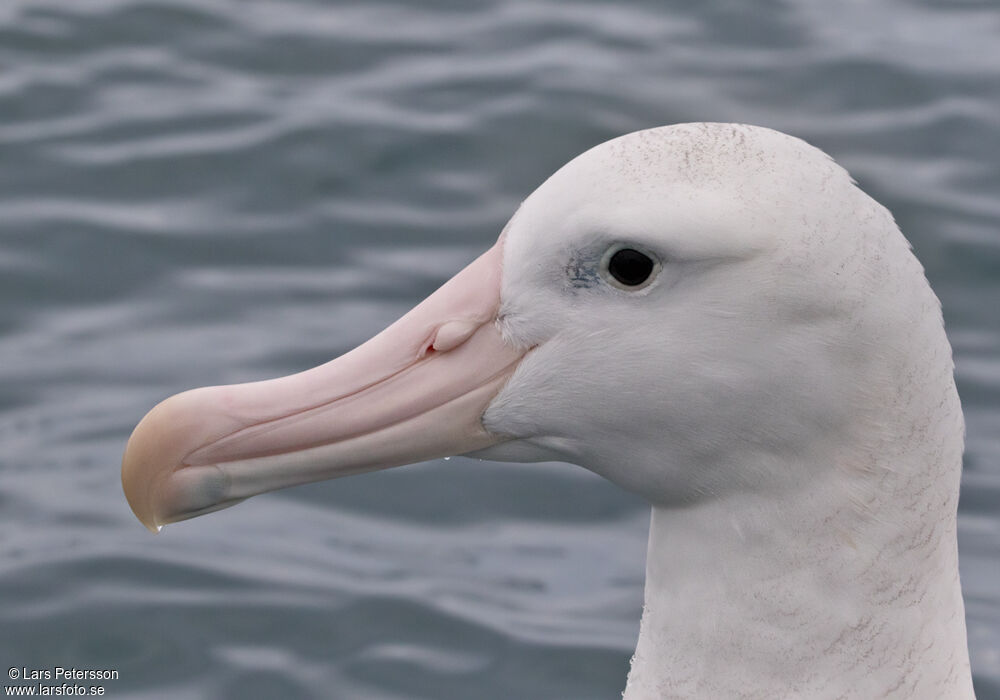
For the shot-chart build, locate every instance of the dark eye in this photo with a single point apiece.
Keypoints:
(630, 267)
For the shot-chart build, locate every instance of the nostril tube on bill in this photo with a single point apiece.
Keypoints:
(452, 334)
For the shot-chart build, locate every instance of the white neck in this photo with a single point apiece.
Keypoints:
(738, 606)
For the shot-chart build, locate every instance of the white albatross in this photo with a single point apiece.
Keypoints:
(712, 316)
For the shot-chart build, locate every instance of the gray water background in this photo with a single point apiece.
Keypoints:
(203, 191)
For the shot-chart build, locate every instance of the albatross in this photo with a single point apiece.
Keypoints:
(714, 317)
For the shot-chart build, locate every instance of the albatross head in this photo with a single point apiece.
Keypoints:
(712, 316)
(766, 289)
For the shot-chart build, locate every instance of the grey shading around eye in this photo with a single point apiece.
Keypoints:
(581, 272)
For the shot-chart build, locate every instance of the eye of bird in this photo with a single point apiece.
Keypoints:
(630, 268)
